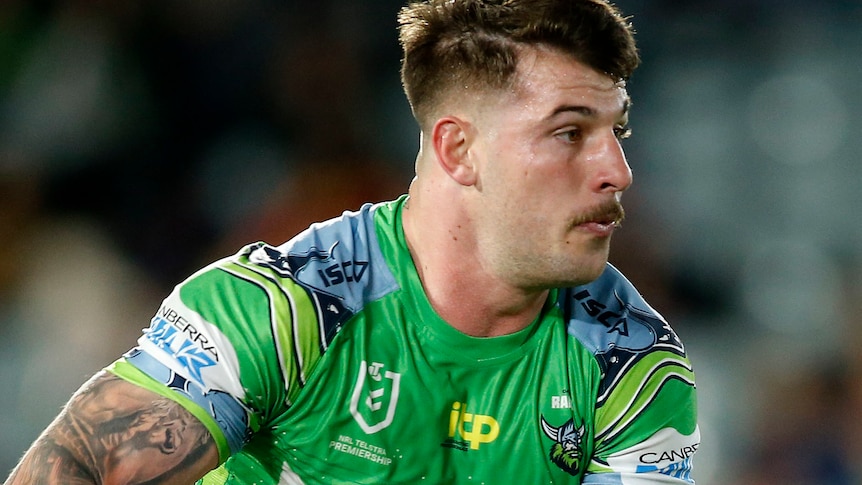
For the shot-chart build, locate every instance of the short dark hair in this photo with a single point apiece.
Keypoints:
(473, 44)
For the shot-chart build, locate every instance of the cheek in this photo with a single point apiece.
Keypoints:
(549, 184)
(528, 176)
(549, 162)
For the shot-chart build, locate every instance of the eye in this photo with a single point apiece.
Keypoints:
(622, 132)
(569, 135)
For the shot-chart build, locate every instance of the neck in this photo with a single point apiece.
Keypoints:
(467, 294)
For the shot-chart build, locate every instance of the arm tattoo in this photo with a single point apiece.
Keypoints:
(113, 432)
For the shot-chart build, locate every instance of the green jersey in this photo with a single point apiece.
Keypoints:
(322, 361)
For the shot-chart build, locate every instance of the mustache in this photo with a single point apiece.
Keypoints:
(608, 212)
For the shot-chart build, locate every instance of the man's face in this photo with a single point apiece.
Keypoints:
(552, 172)
(155, 438)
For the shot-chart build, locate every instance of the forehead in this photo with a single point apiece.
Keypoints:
(548, 79)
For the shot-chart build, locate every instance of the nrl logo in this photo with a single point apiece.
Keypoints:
(566, 452)
(374, 400)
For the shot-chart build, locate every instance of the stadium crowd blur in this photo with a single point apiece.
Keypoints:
(141, 140)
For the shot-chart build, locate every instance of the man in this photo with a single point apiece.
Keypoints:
(471, 332)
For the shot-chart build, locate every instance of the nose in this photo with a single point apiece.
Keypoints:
(613, 173)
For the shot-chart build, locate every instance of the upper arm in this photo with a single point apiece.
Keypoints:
(647, 427)
(115, 432)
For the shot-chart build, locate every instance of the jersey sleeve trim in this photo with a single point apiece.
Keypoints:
(126, 371)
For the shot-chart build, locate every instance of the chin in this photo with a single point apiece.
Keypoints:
(588, 271)
(575, 276)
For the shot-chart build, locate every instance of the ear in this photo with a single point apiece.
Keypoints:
(452, 138)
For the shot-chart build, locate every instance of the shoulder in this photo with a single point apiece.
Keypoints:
(613, 320)
(316, 281)
(339, 260)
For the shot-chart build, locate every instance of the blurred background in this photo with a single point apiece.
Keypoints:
(141, 140)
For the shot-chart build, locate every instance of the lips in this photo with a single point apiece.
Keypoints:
(602, 220)
(598, 228)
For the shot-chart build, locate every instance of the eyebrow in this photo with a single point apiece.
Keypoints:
(586, 110)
